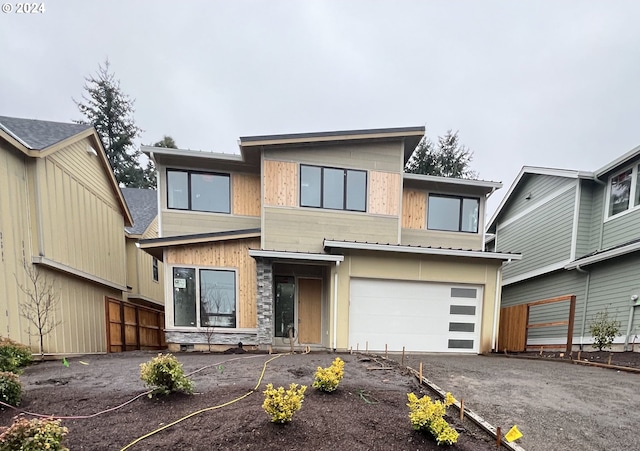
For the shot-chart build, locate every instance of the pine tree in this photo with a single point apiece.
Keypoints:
(167, 142)
(110, 111)
(449, 159)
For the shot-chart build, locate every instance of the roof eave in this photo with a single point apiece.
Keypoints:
(485, 185)
(606, 255)
(620, 161)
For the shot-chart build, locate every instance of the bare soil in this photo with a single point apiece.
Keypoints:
(622, 359)
(367, 412)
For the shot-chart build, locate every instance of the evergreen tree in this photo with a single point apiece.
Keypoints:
(167, 142)
(110, 111)
(449, 159)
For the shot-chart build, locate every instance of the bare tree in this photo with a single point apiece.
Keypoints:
(40, 304)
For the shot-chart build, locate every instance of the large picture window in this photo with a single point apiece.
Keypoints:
(204, 297)
(624, 191)
(336, 189)
(198, 191)
(453, 213)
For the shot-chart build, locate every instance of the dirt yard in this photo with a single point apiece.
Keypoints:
(367, 412)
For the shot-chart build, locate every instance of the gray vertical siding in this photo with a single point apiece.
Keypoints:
(539, 186)
(543, 236)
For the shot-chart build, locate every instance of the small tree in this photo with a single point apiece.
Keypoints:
(604, 330)
(40, 304)
(167, 142)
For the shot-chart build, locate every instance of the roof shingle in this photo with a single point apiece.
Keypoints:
(38, 135)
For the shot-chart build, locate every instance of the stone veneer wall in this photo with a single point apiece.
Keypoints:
(264, 301)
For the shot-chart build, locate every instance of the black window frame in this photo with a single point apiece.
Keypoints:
(189, 173)
(155, 274)
(460, 209)
(344, 190)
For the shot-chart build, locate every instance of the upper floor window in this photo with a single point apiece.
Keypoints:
(453, 213)
(337, 189)
(624, 191)
(154, 269)
(198, 191)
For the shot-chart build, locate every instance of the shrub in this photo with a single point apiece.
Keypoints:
(427, 415)
(281, 404)
(34, 435)
(327, 379)
(13, 355)
(165, 375)
(603, 330)
(10, 388)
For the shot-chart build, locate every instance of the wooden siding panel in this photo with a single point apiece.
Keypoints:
(455, 240)
(414, 209)
(152, 230)
(551, 285)
(539, 186)
(246, 194)
(148, 287)
(386, 156)
(384, 193)
(512, 335)
(176, 223)
(542, 236)
(303, 230)
(280, 183)
(226, 254)
(584, 219)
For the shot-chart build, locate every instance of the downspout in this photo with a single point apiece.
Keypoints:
(335, 308)
(634, 299)
(586, 301)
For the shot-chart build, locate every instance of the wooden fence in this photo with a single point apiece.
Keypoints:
(131, 327)
(514, 324)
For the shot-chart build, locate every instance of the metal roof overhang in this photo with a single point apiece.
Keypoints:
(296, 256)
(605, 255)
(420, 250)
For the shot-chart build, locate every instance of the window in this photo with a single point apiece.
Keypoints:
(204, 297)
(452, 213)
(337, 189)
(624, 191)
(198, 191)
(154, 269)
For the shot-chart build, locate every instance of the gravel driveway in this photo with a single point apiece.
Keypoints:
(557, 406)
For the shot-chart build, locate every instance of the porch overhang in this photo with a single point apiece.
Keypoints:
(436, 251)
(296, 256)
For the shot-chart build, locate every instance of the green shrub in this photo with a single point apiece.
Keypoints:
(165, 375)
(34, 435)
(10, 388)
(13, 355)
(327, 379)
(603, 330)
(427, 415)
(281, 404)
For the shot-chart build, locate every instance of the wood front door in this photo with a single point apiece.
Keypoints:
(309, 311)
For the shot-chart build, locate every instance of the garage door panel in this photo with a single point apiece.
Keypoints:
(419, 316)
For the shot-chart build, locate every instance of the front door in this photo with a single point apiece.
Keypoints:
(298, 310)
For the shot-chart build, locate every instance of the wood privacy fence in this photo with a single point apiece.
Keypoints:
(514, 324)
(131, 327)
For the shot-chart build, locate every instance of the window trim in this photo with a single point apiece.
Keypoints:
(460, 210)
(344, 191)
(635, 174)
(197, 269)
(189, 173)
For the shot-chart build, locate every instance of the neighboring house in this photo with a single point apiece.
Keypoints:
(579, 233)
(61, 211)
(145, 273)
(321, 238)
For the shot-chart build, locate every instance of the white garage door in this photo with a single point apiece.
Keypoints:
(421, 316)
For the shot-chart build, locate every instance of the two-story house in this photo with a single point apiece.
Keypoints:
(321, 239)
(579, 233)
(63, 216)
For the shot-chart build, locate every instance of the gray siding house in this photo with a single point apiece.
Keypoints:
(579, 233)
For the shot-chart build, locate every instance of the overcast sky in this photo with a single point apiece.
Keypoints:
(545, 83)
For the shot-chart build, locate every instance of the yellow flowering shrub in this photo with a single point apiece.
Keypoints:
(34, 435)
(281, 404)
(327, 379)
(427, 415)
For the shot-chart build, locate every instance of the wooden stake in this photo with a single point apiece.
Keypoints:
(609, 362)
(351, 350)
(420, 373)
(385, 352)
(541, 348)
(270, 350)
(357, 347)
(403, 356)
(461, 409)
(498, 437)
(366, 349)
(579, 354)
